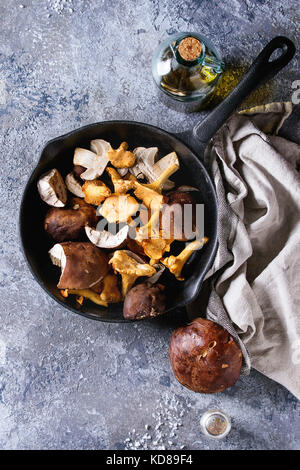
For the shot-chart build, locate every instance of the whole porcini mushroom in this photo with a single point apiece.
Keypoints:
(82, 264)
(68, 224)
(144, 301)
(204, 357)
(52, 189)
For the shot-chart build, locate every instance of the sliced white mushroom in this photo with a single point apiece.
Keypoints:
(159, 270)
(73, 185)
(100, 146)
(147, 167)
(105, 239)
(52, 189)
(145, 159)
(164, 163)
(94, 161)
(58, 256)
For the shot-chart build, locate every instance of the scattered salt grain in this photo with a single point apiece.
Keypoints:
(58, 6)
(167, 416)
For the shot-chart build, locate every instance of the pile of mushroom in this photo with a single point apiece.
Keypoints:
(127, 188)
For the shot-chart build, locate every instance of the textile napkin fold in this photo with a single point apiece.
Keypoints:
(255, 278)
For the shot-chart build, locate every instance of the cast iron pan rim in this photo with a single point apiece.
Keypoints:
(69, 134)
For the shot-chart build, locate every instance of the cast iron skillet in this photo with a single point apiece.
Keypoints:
(58, 153)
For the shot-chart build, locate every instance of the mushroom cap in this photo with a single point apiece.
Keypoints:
(119, 207)
(68, 224)
(121, 157)
(144, 301)
(179, 216)
(204, 357)
(83, 264)
(125, 262)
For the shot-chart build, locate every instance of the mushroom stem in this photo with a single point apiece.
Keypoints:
(89, 294)
(146, 231)
(158, 184)
(127, 282)
(175, 263)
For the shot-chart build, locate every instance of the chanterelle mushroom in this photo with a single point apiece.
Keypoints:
(150, 194)
(94, 161)
(130, 269)
(175, 263)
(105, 239)
(158, 184)
(151, 238)
(87, 294)
(52, 188)
(95, 192)
(146, 166)
(121, 157)
(119, 208)
(111, 292)
(120, 186)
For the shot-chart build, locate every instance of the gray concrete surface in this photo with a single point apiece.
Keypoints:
(67, 382)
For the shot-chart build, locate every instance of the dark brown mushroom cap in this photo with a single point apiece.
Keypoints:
(86, 265)
(78, 170)
(144, 301)
(68, 224)
(181, 197)
(204, 357)
(174, 214)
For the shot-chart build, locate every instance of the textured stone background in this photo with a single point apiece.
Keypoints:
(67, 382)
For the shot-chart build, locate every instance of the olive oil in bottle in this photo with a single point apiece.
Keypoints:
(187, 67)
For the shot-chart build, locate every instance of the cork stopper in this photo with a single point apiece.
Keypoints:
(190, 48)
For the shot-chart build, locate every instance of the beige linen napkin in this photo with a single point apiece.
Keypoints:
(256, 274)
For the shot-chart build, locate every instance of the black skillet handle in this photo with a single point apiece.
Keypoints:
(261, 70)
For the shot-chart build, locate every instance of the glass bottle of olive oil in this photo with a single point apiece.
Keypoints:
(187, 67)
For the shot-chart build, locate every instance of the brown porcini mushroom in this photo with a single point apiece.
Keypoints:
(204, 357)
(144, 301)
(68, 224)
(82, 264)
